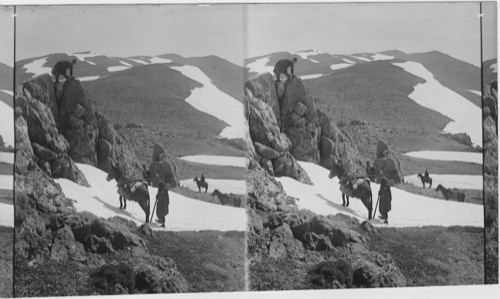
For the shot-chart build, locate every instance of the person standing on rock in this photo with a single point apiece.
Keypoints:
(284, 66)
(385, 198)
(62, 67)
(163, 201)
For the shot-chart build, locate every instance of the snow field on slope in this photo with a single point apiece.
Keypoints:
(465, 115)
(6, 181)
(473, 182)
(379, 56)
(6, 215)
(209, 99)
(36, 67)
(185, 214)
(224, 186)
(217, 160)
(408, 210)
(7, 157)
(7, 123)
(339, 66)
(260, 66)
(448, 156)
(8, 92)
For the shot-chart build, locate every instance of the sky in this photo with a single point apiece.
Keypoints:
(7, 35)
(235, 32)
(348, 28)
(132, 30)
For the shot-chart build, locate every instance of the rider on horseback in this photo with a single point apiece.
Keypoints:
(202, 178)
(426, 174)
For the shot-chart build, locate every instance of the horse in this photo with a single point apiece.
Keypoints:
(223, 198)
(425, 179)
(360, 189)
(451, 193)
(136, 190)
(201, 184)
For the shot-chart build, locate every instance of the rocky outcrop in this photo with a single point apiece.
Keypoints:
(490, 185)
(332, 274)
(78, 123)
(271, 145)
(164, 167)
(388, 163)
(113, 148)
(336, 148)
(300, 121)
(64, 167)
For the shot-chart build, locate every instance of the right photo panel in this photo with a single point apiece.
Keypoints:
(366, 154)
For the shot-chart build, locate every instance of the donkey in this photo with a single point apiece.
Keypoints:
(424, 180)
(201, 184)
(135, 190)
(358, 187)
(224, 199)
(451, 193)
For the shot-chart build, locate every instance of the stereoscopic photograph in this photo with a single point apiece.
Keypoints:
(199, 148)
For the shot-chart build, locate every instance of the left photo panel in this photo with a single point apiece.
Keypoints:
(130, 152)
(6, 149)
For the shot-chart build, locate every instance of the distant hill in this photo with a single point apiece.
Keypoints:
(6, 84)
(454, 74)
(490, 72)
(148, 103)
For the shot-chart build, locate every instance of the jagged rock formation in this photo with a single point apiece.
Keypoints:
(285, 126)
(388, 163)
(164, 167)
(4, 147)
(48, 229)
(271, 145)
(490, 158)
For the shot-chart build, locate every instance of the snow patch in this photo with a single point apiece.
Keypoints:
(7, 157)
(448, 156)
(7, 123)
(185, 214)
(209, 99)
(348, 61)
(305, 54)
(82, 56)
(6, 181)
(90, 62)
(36, 67)
(339, 66)
(465, 115)
(6, 215)
(260, 66)
(9, 92)
(473, 182)
(138, 61)
(361, 58)
(379, 56)
(112, 69)
(224, 186)
(125, 63)
(89, 78)
(408, 210)
(306, 77)
(476, 92)
(158, 60)
(217, 160)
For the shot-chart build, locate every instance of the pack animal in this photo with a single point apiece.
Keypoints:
(132, 190)
(425, 180)
(201, 184)
(451, 193)
(224, 199)
(358, 187)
